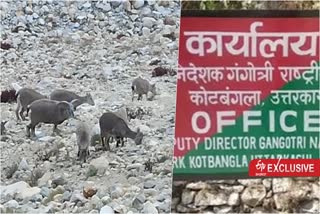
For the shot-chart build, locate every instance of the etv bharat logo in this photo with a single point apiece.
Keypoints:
(264, 167)
(260, 166)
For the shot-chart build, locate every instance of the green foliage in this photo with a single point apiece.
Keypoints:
(248, 4)
(190, 5)
(211, 5)
(234, 5)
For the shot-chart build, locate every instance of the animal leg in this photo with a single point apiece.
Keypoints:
(85, 156)
(33, 131)
(21, 113)
(104, 141)
(117, 142)
(107, 143)
(120, 141)
(140, 97)
(123, 139)
(78, 152)
(110, 139)
(31, 127)
(17, 110)
(80, 155)
(27, 113)
(28, 127)
(132, 95)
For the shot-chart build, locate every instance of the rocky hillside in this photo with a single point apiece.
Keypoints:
(95, 47)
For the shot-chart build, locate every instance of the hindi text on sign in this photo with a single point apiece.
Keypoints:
(250, 43)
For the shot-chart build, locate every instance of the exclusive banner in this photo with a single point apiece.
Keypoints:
(284, 168)
(248, 88)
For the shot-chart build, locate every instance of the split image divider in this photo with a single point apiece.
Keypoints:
(243, 80)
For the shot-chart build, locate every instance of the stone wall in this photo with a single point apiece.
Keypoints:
(277, 195)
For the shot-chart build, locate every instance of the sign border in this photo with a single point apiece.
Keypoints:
(238, 14)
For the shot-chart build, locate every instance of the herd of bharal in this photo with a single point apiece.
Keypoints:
(60, 106)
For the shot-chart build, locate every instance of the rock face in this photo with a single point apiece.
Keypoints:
(210, 198)
(95, 47)
(281, 185)
(253, 195)
(13, 189)
(286, 195)
(148, 207)
(234, 199)
(106, 210)
(28, 193)
(138, 3)
(100, 164)
(148, 22)
(187, 197)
